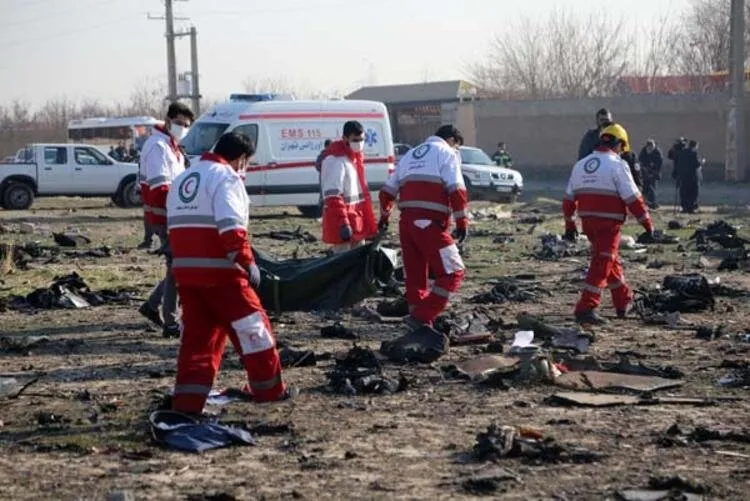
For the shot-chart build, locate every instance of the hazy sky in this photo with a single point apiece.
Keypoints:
(103, 48)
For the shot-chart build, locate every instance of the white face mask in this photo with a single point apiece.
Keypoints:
(178, 131)
(357, 146)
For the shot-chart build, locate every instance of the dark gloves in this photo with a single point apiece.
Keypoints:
(383, 224)
(345, 232)
(571, 235)
(461, 234)
(647, 237)
(253, 275)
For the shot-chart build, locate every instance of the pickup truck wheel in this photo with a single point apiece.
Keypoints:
(18, 196)
(128, 195)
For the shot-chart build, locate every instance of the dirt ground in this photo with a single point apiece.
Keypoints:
(104, 367)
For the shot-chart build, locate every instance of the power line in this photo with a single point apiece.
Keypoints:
(67, 34)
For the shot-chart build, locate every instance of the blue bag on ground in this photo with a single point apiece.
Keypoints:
(186, 433)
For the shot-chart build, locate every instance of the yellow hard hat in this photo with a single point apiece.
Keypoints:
(617, 131)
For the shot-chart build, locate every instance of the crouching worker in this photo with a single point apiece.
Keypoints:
(601, 189)
(215, 272)
(348, 218)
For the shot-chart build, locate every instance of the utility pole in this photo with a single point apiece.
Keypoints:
(170, 35)
(735, 167)
(171, 59)
(196, 94)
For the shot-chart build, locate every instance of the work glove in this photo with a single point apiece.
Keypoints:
(345, 232)
(571, 235)
(383, 224)
(647, 237)
(253, 275)
(461, 234)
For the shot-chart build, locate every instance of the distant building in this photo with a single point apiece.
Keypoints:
(676, 84)
(416, 110)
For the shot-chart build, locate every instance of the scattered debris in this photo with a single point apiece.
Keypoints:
(12, 387)
(657, 237)
(287, 235)
(70, 239)
(398, 307)
(710, 333)
(50, 419)
(69, 291)
(675, 225)
(424, 345)
(360, 372)
(511, 289)
(463, 330)
(554, 248)
(588, 399)
(521, 442)
(739, 377)
(338, 331)
(297, 358)
(366, 313)
(479, 369)
(606, 381)
(21, 345)
(719, 232)
(531, 220)
(556, 336)
(674, 436)
(680, 293)
(488, 214)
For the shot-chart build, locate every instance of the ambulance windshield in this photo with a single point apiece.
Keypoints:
(201, 137)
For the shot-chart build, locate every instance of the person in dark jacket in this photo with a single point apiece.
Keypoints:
(687, 174)
(591, 137)
(650, 159)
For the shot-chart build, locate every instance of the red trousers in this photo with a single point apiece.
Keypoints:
(425, 247)
(209, 315)
(605, 270)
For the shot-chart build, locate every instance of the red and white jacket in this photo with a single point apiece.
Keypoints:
(209, 212)
(161, 162)
(429, 185)
(601, 189)
(347, 197)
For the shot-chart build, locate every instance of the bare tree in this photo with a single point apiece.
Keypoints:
(561, 56)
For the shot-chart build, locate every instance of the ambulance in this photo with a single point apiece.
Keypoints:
(289, 134)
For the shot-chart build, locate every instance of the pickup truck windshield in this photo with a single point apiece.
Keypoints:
(475, 156)
(202, 137)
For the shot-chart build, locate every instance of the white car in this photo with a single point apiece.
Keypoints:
(487, 181)
(66, 169)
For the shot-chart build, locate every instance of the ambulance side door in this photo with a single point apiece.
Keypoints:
(257, 170)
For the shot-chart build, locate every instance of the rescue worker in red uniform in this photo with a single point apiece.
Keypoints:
(348, 217)
(602, 190)
(162, 161)
(429, 186)
(216, 275)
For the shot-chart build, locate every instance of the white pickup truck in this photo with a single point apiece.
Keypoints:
(66, 169)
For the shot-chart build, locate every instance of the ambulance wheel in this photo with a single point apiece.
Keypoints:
(313, 211)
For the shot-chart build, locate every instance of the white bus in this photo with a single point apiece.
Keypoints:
(106, 132)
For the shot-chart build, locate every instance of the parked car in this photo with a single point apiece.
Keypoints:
(66, 169)
(400, 149)
(485, 180)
